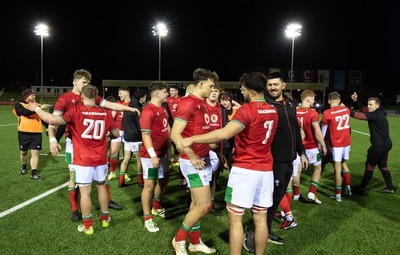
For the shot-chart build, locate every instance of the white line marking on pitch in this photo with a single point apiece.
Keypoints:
(6, 125)
(30, 201)
(360, 132)
(46, 154)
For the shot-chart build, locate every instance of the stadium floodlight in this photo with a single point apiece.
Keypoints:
(41, 30)
(160, 30)
(292, 31)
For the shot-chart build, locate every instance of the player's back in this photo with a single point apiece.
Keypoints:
(338, 120)
(306, 116)
(253, 144)
(89, 125)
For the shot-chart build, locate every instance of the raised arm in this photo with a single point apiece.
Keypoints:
(230, 130)
(45, 116)
(118, 107)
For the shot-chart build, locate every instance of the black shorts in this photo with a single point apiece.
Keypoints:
(31, 141)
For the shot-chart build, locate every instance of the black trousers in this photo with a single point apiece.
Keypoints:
(378, 155)
(282, 174)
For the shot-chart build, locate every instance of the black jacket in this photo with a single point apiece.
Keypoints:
(287, 141)
(130, 121)
(377, 123)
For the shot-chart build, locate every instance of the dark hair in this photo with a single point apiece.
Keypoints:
(156, 85)
(275, 75)
(172, 86)
(124, 88)
(201, 74)
(138, 94)
(255, 81)
(111, 99)
(89, 91)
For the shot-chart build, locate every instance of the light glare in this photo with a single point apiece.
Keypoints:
(293, 30)
(42, 30)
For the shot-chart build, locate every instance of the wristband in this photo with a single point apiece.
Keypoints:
(151, 152)
(37, 108)
(53, 139)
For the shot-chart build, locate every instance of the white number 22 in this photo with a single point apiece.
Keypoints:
(344, 122)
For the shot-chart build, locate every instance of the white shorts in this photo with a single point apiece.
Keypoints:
(247, 188)
(119, 139)
(340, 153)
(214, 161)
(314, 157)
(69, 154)
(151, 173)
(196, 178)
(296, 164)
(88, 174)
(132, 146)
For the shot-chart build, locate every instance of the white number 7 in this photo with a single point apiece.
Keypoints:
(268, 125)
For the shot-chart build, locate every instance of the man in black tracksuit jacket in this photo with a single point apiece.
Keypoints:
(285, 147)
(380, 140)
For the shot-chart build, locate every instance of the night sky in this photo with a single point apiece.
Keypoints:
(115, 41)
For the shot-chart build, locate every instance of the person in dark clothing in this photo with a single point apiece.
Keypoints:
(381, 143)
(285, 147)
(133, 136)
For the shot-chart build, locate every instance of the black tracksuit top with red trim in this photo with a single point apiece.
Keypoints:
(287, 141)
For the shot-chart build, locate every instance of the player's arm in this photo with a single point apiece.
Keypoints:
(230, 130)
(45, 116)
(318, 136)
(118, 107)
(176, 136)
(53, 120)
(169, 144)
(148, 144)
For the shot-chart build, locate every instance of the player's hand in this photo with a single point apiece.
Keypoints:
(304, 162)
(44, 106)
(54, 147)
(182, 144)
(155, 161)
(198, 163)
(324, 150)
(135, 110)
(32, 106)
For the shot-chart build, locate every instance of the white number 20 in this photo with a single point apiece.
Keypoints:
(95, 129)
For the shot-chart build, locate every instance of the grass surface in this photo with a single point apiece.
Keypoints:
(359, 225)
